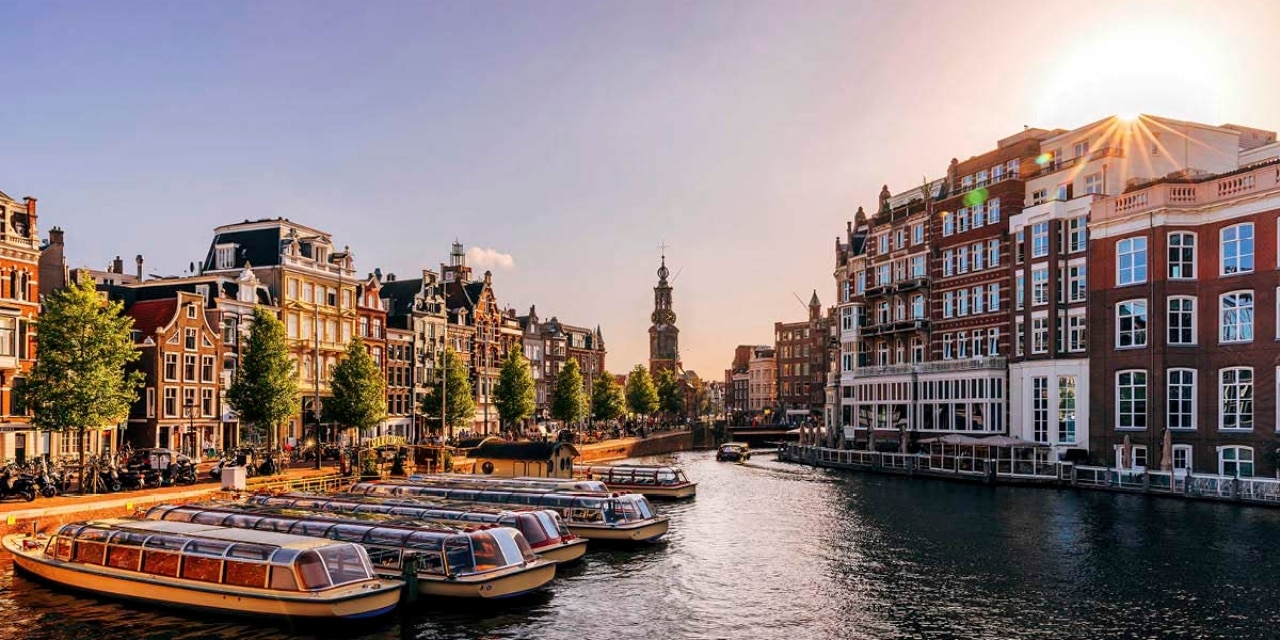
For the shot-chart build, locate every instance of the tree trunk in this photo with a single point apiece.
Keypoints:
(80, 434)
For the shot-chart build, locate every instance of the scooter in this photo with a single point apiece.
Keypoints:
(13, 484)
(183, 471)
(46, 481)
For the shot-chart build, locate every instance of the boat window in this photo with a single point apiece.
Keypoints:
(312, 572)
(215, 548)
(383, 535)
(173, 513)
(246, 574)
(521, 498)
(128, 538)
(70, 530)
(303, 503)
(488, 552)
(313, 529)
(250, 552)
(280, 525)
(554, 500)
(458, 554)
(282, 579)
(124, 557)
(202, 568)
(424, 540)
(60, 548)
(680, 477)
(91, 546)
(284, 556)
(526, 551)
(531, 528)
(551, 523)
(349, 532)
(241, 521)
(160, 563)
(431, 562)
(204, 517)
(384, 556)
(345, 564)
(589, 503)
(666, 476)
(165, 542)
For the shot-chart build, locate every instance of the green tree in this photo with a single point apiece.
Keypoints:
(607, 402)
(670, 393)
(79, 380)
(460, 406)
(642, 396)
(264, 391)
(359, 393)
(568, 403)
(515, 394)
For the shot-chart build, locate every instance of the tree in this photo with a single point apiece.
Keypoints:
(79, 380)
(607, 402)
(568, 403)
(642, 396)
(264, 391)
(460, 406)
(670, 394)
(515, 394)
(359, 395)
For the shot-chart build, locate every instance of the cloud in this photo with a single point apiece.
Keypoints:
(481, 257)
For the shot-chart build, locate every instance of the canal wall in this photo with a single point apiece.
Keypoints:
(960, 468)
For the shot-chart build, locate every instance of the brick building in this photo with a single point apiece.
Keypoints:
(801, 351)
(19, 306)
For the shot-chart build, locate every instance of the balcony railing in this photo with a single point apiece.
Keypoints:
(968, 364)
(1196, 194)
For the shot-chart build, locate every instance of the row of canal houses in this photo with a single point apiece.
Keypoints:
(1108, 293)
(190, 331)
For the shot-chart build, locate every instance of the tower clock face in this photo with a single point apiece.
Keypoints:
(663, 317)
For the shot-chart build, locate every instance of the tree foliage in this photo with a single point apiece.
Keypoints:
(460, 405)
(670, 393)
(79, 380)
(359, 389)
(264, 391)
(568, 403)
(642, 396)
(515, 394)
(607, 401)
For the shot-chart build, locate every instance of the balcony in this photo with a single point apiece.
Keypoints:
(995, 363)
(1174, 195)
(912, 284)
(895, 326)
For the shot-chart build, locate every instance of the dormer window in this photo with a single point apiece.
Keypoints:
(320, 253)
(224, 256)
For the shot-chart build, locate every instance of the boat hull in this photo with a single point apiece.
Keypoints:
(508, 583)
(565, 553)
(648, 532)
(672, 492)
(344, 603)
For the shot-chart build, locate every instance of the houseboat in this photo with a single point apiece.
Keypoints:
(733, 452)
(652, 481)
(210, 568)
(486, 562)
(544, 529)
(541, 484)
(626, 517)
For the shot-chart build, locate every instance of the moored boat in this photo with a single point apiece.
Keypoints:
(544, 529)
(626, 517)
(542, 484)
(733, 452)
(483, 562)
(654, 481)
(209, 568)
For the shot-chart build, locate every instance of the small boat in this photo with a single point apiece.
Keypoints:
(543, 484)
(210, 568)
(733, 452)
(485, 562)
(544, 529)
(626, 517)
(649, 480)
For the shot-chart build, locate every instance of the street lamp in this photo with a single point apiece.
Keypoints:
(189, 412)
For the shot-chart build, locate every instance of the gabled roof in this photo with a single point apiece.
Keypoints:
(465, 296)
(401, 293)
(150, 315)
(259, 247)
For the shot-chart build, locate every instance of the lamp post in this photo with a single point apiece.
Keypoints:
(189, 412)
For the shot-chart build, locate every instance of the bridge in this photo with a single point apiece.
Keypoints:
(757, 436)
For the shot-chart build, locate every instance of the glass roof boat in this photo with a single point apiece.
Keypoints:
(654, 481)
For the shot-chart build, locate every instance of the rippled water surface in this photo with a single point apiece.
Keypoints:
(770, 550)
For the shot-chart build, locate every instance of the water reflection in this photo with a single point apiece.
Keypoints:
(769, 550)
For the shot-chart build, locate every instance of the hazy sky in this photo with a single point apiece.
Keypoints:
(575, 137)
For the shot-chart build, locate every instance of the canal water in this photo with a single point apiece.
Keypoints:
(772, 550)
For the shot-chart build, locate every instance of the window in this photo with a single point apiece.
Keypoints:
(882, 275)
(946, 346)
(948, 224)
(993, 342)
(151, 402)
(1039, 196)
(189, 368)
(364, 328)
(860, 282)
(882, 243)
(1182, 320)
(948, 262)
(1237, 249)
(993, 297)
(901, 237)
(1235, 461)
(993, 210)
(1131, 324)
(1020, 246)
(1182, 458)
(1039, 239)
(1093, 183)
(1039, 286)
(226, 256)
(993, 253)
(978, 298)
(979, 215)
(948, 304)
(171, 367)
(1131, 265)
(962, 302)
(1182, 399)
(1039, 335)
(917, 233)
(1067, 409)
(1236, 317)
(170, 402)
(1020, 293)
(1019, 337)
(190, 342)
(206, 403)
(1131, 400)
(1076, 334)
(206, 368)
(917, 350)
(1077, 236)
(917, 306)
(292, 325)
(917, 267)
(1235, 412)
(229, 333)
(962, 260)
(962, 344)
(308, 291)
(1013, 166)
(1077, 283)
(1082, 148)
(1040, 408)
(1182, 256)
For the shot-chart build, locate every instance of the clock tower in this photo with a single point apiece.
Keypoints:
(664, 337)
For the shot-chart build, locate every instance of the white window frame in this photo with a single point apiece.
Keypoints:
(1077, 282)
(1119, 402)
(1077, 334)
(1189, 315)
(1068, 414)
(1077, 234)
(1040, 335)
(1244, 259)
(1039, 285)
(1040, 240)
(1133, 331)
(1189, 424)
(1236, 462)
(1132, 247)
(1244, 409)
(1231, 329)
(1183, 266)
(1187, 451)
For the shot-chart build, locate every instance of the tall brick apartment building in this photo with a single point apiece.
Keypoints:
(802, 352)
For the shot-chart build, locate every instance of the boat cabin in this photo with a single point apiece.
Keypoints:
(498, 457)
(575, 507)
(545, 484)
(633, 475)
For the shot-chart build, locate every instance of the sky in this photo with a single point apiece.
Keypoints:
(564, 141)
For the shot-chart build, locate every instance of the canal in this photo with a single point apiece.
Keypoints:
(772, 550)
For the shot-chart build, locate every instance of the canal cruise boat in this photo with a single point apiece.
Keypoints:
(544, 529)
(486, 562)
(623, 517)
(733, 452)
(209, 568)
(542, 484)
(651, 480)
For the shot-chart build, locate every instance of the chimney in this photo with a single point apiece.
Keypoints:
(117, 265)
(55, 236)
(31, 205)
(138, 261)
(391, 277)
